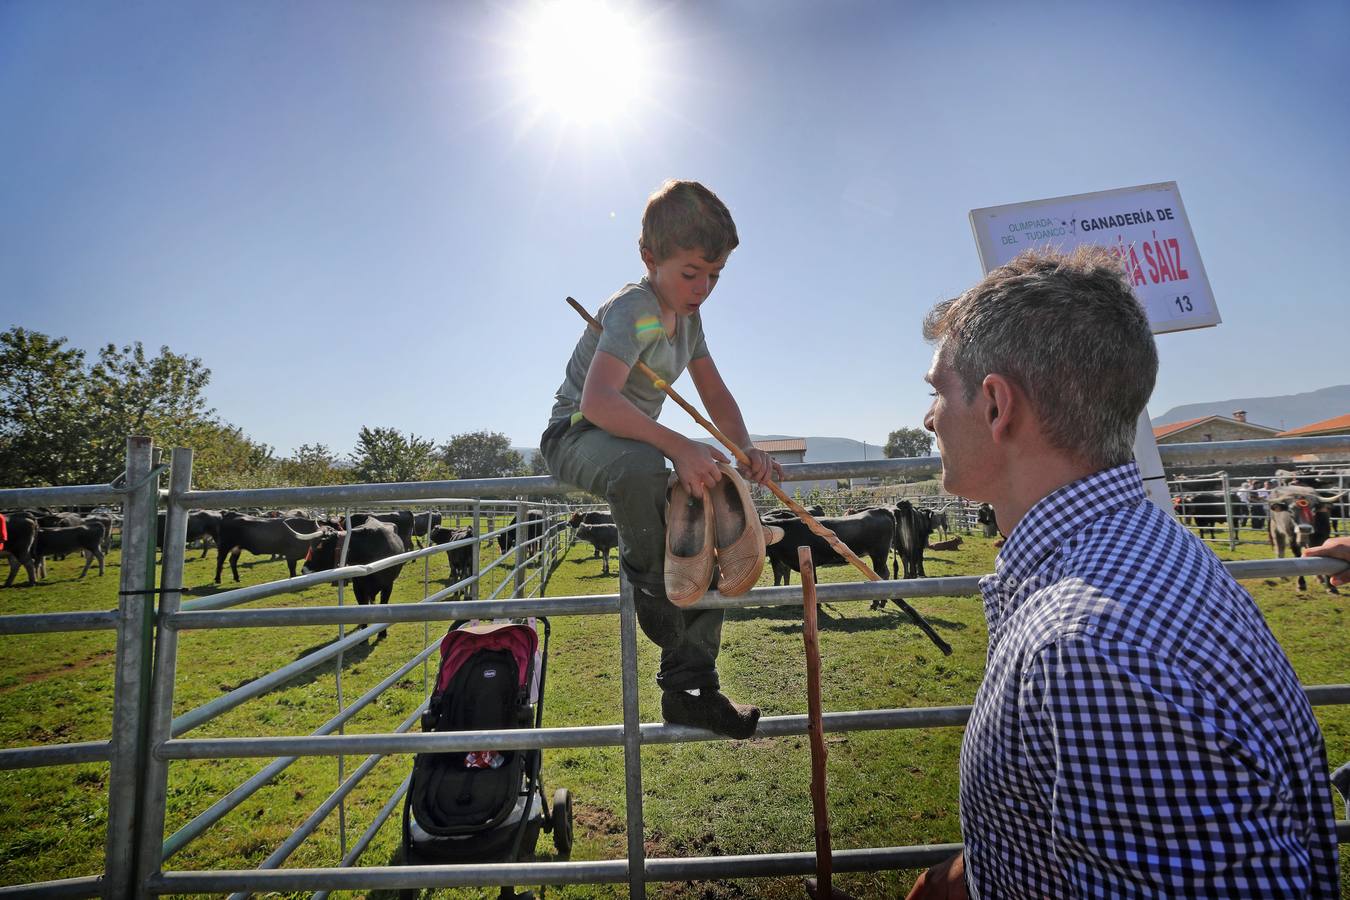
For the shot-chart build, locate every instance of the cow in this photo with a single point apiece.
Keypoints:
(401, 519)
(424, 523)
(594, 517)
(201, 524)
(603, 536)
(783, 512)
(19, 535)
(913, 525)
(987, 519)
(1205, 510)
(460, 558)
(290, 538)
(534, 529)
(68, 539)
(939, 519)
(868, 534)
(371, 541)
(1300, 518)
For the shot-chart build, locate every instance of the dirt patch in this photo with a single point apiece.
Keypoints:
(64, 669)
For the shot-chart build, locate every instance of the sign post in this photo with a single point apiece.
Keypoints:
(1147, 229)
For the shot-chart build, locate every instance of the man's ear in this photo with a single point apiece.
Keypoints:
(1003, 406)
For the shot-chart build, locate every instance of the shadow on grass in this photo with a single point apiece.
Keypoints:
(831, 618)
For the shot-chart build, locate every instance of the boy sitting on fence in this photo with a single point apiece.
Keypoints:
(603, 435)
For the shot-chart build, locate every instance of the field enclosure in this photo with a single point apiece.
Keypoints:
(239, 701)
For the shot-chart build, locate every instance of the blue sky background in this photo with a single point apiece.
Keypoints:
(355, 214)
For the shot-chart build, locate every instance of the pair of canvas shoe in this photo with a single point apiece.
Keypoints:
(720, 531)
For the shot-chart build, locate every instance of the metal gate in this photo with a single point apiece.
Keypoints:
(146, 738)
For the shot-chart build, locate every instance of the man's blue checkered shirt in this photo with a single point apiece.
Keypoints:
(1139, 732)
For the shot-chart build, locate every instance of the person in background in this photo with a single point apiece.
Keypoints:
(1138, 732)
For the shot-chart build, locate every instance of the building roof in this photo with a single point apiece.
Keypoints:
(1162, 431)
(1165, 430)
(1333, 425)
(791, 445)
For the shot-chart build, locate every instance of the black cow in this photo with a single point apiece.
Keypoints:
(290, 538)
(939, 519)
(371, 541)
(534, 529)
(594, 517)
(1205, 511)
(988, 520)
(868, 534)
(401, 519)
(604, 537)
(782, 512)
(460, 558)
(20, 535)
(60, 541)
(201, 524)
(913, 525)
(424, 523)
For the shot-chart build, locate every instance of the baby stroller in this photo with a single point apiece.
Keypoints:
(484, 805)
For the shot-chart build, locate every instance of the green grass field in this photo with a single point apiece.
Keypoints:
(886, 788)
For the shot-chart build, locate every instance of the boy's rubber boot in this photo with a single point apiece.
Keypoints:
(689, 546)
(741, 537)
(710, 710)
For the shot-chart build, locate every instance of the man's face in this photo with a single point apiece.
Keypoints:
(683, 281)
(962, 432)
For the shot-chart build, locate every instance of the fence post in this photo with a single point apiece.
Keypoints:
(149, 831)
(632, 740)
(133, 655)
(1228, 511)
(477, 546)
(521, 554)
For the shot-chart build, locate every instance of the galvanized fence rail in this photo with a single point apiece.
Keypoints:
(146, 738)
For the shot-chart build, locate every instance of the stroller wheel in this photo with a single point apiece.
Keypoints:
(562, 821)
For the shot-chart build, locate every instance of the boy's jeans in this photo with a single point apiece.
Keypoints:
(633, 477)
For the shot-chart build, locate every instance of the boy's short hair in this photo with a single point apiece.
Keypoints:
(685, 215)
(1067, 329)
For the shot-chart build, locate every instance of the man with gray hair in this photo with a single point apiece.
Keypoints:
(1138, 732)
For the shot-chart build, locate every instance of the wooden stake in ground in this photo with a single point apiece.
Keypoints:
(815, 728)
(810, 521)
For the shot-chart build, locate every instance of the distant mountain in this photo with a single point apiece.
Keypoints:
(825, 449)
(1290, 411)
(818, 449)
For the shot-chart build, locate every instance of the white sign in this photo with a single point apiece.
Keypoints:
(1145, 226)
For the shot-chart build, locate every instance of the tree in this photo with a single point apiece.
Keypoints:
(905, 442)
(482, 454)
(225, 458)
(44, 423)
(384, 454)
(313, 464)
(537, 464)
(62, 422)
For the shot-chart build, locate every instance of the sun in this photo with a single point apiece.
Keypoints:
(581, 61)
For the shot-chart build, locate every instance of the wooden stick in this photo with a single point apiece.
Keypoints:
(809, 520)
(815, 726)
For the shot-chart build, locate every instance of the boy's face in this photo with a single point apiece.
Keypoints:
(683, 280)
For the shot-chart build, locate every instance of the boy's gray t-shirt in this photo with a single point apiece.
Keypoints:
(632, 331)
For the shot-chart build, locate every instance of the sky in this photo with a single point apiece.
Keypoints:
(361, 213)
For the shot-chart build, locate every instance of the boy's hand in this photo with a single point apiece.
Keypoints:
(761, 467)
(696, 466)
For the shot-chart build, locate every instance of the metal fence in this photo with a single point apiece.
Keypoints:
(146, 738)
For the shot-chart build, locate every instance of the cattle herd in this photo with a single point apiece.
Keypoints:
(1295, 516)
